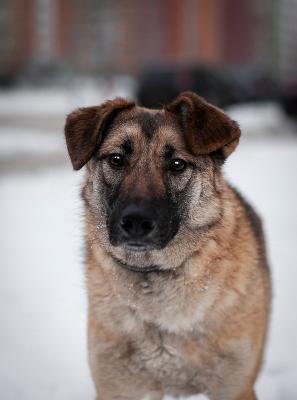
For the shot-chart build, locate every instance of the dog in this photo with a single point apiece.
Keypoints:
(177, 276)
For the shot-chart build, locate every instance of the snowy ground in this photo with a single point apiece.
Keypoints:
(42, 294)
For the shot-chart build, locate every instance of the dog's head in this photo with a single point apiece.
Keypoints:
(153, 180)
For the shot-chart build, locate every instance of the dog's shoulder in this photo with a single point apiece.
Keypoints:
(251, 214)
(254, 221)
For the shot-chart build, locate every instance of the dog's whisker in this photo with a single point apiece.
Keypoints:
(101, 226)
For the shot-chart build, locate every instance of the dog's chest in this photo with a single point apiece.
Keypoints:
(159, 307)
(165, 300)
(169, 360)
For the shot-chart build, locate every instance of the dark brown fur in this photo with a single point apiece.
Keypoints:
(197, 322)
(85, 129)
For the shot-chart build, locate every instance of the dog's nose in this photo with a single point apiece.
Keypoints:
(138, 221)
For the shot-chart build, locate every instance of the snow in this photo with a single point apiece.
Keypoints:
(261, 118)
(34, 102)
(42, 291)
(19, 141)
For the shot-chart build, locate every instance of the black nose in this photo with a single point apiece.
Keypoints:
(138, 221)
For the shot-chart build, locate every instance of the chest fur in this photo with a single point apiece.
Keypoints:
(166, 299)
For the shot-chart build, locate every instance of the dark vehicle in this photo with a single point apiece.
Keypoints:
(7, 80)
(289, 99)
(219, 86)
(251, 84)
(159, 85)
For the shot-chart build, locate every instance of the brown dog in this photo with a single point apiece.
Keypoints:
(178, 282)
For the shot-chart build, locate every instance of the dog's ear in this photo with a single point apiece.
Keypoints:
(207, 129)
(84, 129)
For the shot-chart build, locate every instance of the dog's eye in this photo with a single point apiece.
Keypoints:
(177, 165)
(116, 160)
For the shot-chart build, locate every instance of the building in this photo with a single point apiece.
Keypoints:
(110, 36)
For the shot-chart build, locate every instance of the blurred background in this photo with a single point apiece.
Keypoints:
(56, 55)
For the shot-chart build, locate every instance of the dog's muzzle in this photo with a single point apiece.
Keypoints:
(141, 225)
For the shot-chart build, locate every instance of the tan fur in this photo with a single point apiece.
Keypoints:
(199, 324)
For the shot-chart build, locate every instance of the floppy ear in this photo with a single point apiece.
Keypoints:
(207, 129)
(84, 129)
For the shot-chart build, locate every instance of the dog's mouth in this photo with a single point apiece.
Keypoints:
(138, 247)
(134, 268)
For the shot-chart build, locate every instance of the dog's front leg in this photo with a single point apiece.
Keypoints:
(118, 377)
(153, 396)
(247, 395)
(148, 396)
(223, 394)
